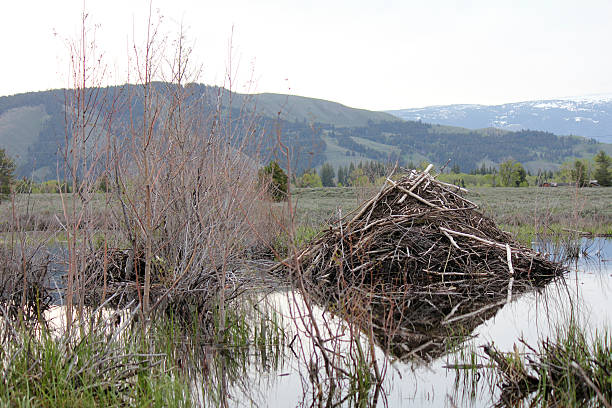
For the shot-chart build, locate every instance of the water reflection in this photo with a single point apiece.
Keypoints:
(416, 357)
(416, 338)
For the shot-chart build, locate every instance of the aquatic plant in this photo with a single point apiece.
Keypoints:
(569, 369)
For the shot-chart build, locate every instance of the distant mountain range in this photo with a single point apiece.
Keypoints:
(33, 132)
(589, 116)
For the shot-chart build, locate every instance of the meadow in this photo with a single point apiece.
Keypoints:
(524, 211)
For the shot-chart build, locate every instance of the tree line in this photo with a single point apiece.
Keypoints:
(354, 175)
(511, 173)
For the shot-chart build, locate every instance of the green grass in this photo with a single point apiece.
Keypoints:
(522, 211)
(569, 369)
(111, 363)
(568, 362)
(44, 369)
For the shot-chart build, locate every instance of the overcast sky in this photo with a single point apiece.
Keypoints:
(367, 54)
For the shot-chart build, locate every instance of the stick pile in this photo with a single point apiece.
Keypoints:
(415, 232)
(419, 266)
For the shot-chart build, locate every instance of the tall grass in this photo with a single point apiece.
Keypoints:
(574, 368)
(102, 366)
(569, 368)
(112, 361)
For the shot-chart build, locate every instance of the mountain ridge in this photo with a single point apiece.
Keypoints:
(588, 116)
(32, 129)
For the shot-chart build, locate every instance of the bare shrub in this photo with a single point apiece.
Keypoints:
(188, 203)
(24, 283)
(24, 262)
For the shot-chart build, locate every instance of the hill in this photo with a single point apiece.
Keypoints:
(33, 132)
(295, 108)
(32, 124)
(416, 141)
(590, 117)
(299, 108)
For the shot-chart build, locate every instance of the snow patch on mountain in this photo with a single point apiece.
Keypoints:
(588, 116)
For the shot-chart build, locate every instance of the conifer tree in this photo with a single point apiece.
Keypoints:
(341, 177)
(277, 179)
(602, 170)
(7, 170)
(327, 175)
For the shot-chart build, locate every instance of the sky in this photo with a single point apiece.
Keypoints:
(374, 55)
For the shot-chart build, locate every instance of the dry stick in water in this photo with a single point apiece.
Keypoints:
(474, 313)
(509, 259)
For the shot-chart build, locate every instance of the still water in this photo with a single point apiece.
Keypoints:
(584, 295)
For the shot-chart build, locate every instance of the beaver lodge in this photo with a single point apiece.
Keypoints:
(418, 261)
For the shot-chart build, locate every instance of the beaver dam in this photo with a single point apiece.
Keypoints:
(419, 233)
(418, 257)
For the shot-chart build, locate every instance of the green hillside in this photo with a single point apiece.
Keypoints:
(415, 141)
(32, 131)
(20, 128)
(299, 108)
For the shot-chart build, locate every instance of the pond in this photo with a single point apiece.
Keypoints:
(424, 370)
(583, 295)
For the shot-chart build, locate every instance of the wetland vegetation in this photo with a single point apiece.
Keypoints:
(268, 352)
(182, 282)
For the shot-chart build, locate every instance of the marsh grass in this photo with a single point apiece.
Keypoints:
(100, 367)
(574, 368)
(467, 365)
(570, 368)
(253, 344)
(111, 361)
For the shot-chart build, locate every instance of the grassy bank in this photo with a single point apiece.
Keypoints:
(525, 212)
